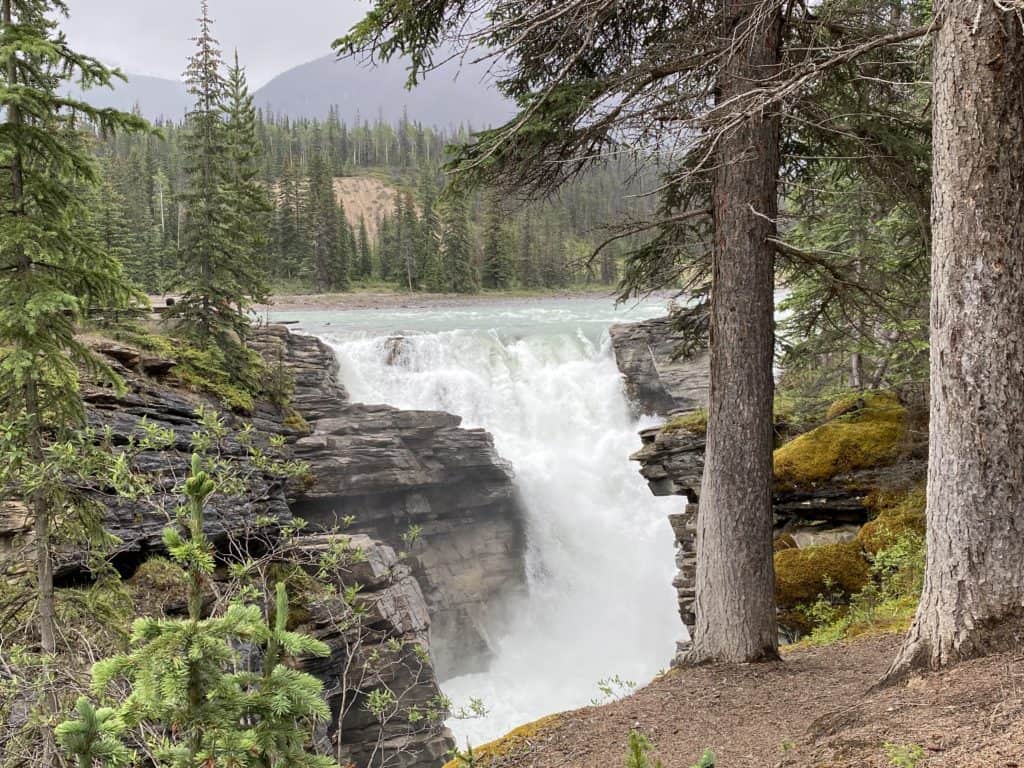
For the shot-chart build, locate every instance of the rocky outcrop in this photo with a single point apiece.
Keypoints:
(658, 381)
(382, 652)
(391, 473)
(389, 470)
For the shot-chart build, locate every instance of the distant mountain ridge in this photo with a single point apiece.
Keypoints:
(447, 98)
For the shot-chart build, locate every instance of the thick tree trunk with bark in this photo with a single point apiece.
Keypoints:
(973, 597)
(735, 606)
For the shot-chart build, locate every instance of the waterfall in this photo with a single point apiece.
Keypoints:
(600, 550)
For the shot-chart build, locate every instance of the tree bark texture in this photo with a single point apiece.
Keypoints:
(735, 585)
(973, 596)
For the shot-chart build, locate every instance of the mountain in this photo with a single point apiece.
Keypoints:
(156, 97)
(446, 98)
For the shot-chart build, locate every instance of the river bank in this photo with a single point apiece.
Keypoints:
(416, 300)
(816, 708)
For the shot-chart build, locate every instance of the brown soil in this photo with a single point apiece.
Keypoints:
(816, 708)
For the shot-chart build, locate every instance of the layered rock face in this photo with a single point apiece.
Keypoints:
(657, 382)
(383, 651)
(389, 472)
(389, 648)
(822, 508)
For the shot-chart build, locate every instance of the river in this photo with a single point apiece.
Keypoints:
(540, 376)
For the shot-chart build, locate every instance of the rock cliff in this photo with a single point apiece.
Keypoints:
(393, 473)
(390, 471)
(825, 479)
(657, 381)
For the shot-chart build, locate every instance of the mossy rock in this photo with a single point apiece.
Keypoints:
(785, 541)
(801, 575)
(158, 586)
(508, 745)
(897, 518)
(868, 433)
(694, 422)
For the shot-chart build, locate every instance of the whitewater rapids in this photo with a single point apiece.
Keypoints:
(600, 555)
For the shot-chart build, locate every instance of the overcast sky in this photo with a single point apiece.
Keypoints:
(151, 37)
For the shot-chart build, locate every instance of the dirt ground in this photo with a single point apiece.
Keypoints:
(816, 708)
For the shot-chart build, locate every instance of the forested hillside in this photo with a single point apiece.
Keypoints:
(408, 234)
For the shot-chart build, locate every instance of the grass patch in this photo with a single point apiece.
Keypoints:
(236, 384)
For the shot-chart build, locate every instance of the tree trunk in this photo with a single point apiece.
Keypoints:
(735, 607)
(974, 581)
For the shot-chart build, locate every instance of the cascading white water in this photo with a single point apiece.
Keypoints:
(543, 381)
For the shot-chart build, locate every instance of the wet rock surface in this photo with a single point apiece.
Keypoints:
(392, 472)
(657, 381)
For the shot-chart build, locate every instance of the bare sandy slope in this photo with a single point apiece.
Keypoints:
(367, 197)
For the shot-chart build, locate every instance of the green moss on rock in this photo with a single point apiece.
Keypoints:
(867, 433)
(694, 422)
(896, 519)
(801, 575)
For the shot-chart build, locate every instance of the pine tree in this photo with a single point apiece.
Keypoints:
(364, 261)
(460, 275)
(52, 270)
(187, 701)
(409, 240)
(216, 271)
(247, 198)
(529, 272)
(428, 253)
(323, 220)
(496, 271)
(344, 251)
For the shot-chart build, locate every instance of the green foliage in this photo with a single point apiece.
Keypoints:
(638, 752)
(54, 267)
(224, 206)
(94, 737)
(707, 760)
(236, 383)
(191, 698)
(886, 603)
(903, 755)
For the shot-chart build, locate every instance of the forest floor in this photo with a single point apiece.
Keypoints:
(814, 709)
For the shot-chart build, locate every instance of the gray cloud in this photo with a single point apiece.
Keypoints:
(151, 37)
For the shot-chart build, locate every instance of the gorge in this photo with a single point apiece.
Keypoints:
(598, 551)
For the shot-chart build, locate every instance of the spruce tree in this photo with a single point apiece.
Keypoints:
(460, 275)
(191, 701)
(496, 267)
(52, 268)
(247, 199)
(216, 269)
